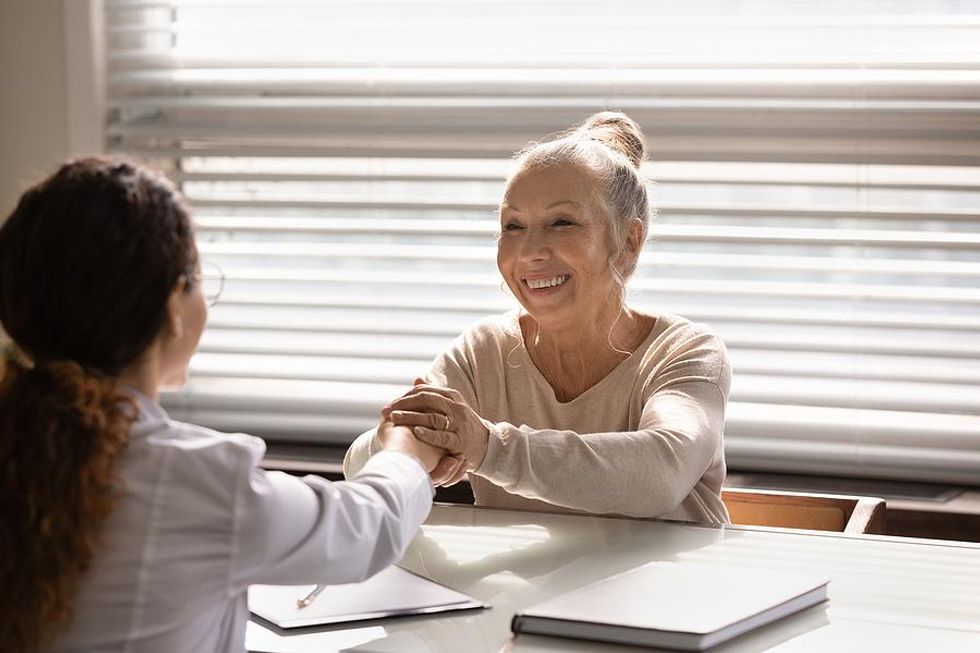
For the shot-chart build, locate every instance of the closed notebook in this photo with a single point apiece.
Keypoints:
(390, 593)
(676, 605)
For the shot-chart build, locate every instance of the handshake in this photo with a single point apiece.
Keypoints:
(438, 427)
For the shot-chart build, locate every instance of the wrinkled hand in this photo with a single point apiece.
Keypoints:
(440, 417)
(449, 471)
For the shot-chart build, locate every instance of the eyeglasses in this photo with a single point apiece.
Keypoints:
(212, 280)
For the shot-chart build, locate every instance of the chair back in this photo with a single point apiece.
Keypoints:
(822, 512)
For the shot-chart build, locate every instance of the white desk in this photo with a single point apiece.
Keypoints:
(886, 594)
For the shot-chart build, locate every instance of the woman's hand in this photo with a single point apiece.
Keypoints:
(450, 470)
(399, 438)
(440, 417)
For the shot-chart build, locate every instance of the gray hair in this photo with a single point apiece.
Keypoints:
(609, 145)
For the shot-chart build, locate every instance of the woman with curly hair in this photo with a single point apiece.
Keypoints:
(122, 528)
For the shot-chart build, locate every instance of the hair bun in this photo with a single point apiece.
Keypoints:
(617, 131)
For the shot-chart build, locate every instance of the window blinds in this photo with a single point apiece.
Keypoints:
(816, 178)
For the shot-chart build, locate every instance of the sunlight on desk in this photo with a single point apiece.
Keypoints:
(890, 594)
(870, 583)
(465, 544)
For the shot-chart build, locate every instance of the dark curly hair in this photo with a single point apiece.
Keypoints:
(88, 260)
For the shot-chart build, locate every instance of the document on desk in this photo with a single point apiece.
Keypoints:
(677, 605)
(390, 593)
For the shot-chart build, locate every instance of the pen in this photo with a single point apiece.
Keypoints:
(309, 598)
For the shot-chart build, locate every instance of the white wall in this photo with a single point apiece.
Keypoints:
(33, 94)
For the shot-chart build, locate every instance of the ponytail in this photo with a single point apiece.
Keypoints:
(62, 429)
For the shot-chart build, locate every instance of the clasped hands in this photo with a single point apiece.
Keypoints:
(441, 418)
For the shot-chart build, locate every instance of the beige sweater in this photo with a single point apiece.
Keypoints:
(646, 441)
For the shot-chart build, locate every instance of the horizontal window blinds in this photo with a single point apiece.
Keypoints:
(816, 178)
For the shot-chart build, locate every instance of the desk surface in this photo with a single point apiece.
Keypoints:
(889, 594)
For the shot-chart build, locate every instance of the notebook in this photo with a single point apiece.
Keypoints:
(678, 605)
(392, 592)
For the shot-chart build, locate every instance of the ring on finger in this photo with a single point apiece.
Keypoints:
(448, 423)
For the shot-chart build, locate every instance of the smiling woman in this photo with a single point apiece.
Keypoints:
(577, 401)
(817, 193)
(564, 254)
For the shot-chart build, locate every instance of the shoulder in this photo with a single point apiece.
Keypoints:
(488, 336)
(476, 358)
(492, 329)
(194, 453)
(188, 477)
(680, 332)
(676, 340)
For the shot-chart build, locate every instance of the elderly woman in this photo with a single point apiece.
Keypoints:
(578, 402)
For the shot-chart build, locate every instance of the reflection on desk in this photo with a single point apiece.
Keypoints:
(885, 593)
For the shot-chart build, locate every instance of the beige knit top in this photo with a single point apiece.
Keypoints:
(645, 441)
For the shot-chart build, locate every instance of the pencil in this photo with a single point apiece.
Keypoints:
(309, 598)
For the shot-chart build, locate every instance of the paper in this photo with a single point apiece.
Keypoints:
(392, 592)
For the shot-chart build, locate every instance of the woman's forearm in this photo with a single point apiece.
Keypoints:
(642, 473)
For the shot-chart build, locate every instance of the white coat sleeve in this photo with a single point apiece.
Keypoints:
(291, 530)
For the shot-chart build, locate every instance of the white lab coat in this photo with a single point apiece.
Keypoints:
(199, 521)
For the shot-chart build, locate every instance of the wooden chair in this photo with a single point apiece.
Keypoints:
(822, 512)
